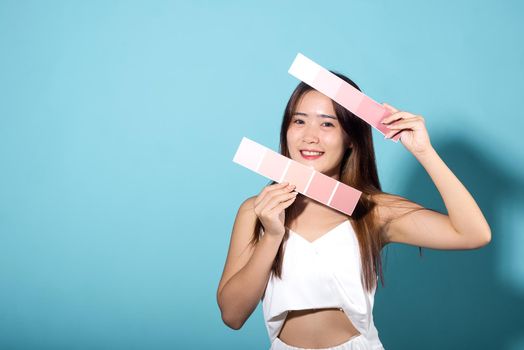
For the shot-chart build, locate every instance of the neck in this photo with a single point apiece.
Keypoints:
(311, 207)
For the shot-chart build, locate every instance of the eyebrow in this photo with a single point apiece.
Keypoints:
(318, 115)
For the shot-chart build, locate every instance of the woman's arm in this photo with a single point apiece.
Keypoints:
(465, 227)
(247, 269)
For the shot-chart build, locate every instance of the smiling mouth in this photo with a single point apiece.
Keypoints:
(311, 154)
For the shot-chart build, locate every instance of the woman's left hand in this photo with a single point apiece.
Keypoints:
(412, 128)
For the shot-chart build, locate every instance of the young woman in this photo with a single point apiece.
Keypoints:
(316, 269)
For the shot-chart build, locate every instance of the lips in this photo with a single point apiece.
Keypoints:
(311, 154)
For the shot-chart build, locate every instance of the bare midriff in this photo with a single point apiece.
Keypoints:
(317, 328)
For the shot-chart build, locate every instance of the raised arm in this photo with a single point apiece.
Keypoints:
(465, 227)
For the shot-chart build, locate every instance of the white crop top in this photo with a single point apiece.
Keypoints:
(324, 273)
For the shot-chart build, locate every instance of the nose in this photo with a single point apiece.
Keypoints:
(310, 134)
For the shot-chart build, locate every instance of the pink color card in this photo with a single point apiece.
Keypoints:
(308, 181)
(341, 92)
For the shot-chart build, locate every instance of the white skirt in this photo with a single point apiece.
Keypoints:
(358, 342)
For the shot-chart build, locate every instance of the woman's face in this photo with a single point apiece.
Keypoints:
(314, 136)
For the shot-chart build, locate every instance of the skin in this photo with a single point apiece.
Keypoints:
(247, 269)
(314, 126)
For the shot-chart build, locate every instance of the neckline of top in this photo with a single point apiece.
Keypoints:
(325, 234)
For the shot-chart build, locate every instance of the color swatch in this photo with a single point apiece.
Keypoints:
(308, 181)
(341, 92)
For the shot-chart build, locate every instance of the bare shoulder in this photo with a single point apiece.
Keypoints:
(247, 206)
(245, 222)
(240, 249)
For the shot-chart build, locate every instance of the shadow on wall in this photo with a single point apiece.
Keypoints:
(453, 299)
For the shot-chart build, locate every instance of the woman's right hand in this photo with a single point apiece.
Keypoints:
(270, 205)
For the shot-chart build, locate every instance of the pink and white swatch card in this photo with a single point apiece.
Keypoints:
(341, 92)
(308, 181)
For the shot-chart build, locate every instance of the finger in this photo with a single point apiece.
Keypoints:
(406, 123)
(263, 194)
(391, 118)
(397, 116)
(267, 189)
(259, 207)
(279, 199)
(282, 206)
(394, 133)
(273, 200)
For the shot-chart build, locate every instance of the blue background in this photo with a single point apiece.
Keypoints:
(119, 121)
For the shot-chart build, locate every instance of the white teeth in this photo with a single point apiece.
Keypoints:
(310, 153)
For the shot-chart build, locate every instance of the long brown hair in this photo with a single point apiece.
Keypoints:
(358, 169)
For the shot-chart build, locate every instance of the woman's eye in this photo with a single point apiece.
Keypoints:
(328, 124)
(298, 121)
